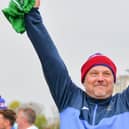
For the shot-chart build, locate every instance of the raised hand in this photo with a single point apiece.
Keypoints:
(37, 3)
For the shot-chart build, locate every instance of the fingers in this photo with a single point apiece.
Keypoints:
(37, 3)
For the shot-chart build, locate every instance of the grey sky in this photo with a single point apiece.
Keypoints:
(79, 29)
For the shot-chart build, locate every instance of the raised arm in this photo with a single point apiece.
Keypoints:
(54, 69)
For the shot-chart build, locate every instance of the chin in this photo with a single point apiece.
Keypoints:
(101, 96)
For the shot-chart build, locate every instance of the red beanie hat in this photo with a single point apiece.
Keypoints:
(97, 59)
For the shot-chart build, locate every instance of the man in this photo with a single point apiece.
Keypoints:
(26, 118)
(7, 119)
(95, 108)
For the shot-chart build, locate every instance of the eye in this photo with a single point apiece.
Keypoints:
(106, 73)
(93, 73)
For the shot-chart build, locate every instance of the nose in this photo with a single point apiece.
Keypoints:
(100, 78)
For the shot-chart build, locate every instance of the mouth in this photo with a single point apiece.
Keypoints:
(100, 85)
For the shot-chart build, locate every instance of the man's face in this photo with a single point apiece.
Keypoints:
(2, 122)
(99, 82)
(20, 120)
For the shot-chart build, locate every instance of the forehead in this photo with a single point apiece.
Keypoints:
(100, 68)
(20, 114)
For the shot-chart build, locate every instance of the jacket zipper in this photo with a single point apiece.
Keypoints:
(94, 114)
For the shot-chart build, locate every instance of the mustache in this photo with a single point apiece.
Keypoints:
(100, 83)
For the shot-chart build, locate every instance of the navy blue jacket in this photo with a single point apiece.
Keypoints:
(77, 109)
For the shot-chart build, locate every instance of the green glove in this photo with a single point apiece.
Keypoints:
(16, 11)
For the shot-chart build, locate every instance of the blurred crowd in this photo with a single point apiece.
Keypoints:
(23, 118)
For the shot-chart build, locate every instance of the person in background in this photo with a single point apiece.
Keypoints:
(3, 106)
(26, 118)
(7, 119)
(2, 103)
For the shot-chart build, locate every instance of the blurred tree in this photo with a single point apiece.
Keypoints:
(55, 125)
(41, 121)
(14, 105)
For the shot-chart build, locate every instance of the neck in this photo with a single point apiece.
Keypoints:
(25, 126)
(9, 127)
(98, 101)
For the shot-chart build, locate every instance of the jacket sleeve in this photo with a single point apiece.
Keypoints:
(54, 69)
(125, 97)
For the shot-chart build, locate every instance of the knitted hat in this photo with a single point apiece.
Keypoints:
(98, 59)
(2, 103)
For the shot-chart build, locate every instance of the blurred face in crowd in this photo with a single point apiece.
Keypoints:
(4, 123)
(99, 82)
(25, 118)
(20, 119)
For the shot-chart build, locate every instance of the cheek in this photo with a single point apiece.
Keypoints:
(1, 123)
(88, 84)
(110, 88)
(110, 84)
(89, 80)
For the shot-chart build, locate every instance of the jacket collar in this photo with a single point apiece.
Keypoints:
(103, 102)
